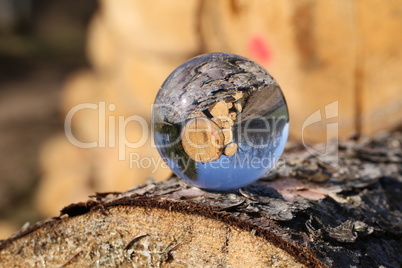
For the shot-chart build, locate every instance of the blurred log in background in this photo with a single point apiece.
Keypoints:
(345, 53)
(41, 41)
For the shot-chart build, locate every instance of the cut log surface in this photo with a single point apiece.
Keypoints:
(342, 209)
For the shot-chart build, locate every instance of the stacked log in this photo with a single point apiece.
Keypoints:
(336, 61)
(132, 50)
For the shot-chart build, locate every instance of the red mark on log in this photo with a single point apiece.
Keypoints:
(260, 50)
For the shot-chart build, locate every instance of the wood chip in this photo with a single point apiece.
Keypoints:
(238, 95)
(227, 123)
(230, 149)
(219, 109)
(233, 115)
(202, 140)
(228, 135)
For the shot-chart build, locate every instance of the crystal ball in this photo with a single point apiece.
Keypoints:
(220, 121)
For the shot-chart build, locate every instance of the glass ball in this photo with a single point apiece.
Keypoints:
(220, 121)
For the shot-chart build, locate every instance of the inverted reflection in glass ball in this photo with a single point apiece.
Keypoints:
(220, 121)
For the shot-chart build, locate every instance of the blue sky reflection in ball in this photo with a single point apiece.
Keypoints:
(220, 121)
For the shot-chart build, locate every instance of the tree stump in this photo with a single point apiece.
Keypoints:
(308, 212)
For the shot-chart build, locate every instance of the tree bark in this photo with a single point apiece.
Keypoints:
(339, 209)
